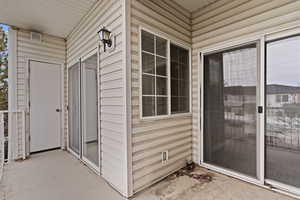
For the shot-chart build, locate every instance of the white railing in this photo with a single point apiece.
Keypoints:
(2, 144)
(9, 121)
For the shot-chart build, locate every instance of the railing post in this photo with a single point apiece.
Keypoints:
(23, 135)
(1, 143)
(10, 132)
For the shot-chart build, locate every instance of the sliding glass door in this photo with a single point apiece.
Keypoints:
(83, 110)
(283, 110)
(90, 139)
(74, 109)
(251, 111)
(230, 116)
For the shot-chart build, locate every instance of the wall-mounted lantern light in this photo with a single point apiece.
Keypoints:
(105, 37)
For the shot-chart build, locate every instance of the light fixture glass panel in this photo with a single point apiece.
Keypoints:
(106, 35)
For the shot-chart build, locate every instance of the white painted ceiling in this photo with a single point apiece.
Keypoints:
(54, 17)
(192, 5)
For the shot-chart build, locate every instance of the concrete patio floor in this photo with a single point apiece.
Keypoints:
(57, 175)
(53, 175)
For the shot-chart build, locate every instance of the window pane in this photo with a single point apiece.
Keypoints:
(174, 104)
(278, 98)
(90, 116)
(174, 53)
(183, 70)
(148, 63)
(174, 88)
(161, 86)
(283, 111)
(174, 69)
(162, 106)
(179, 79)
(147, 42)
(161, 66)
(161, 46)
(183, 90)
(184, 104)
(183, 56)
(148, 106)
(285, 98)
(148, 85)
(230, 81)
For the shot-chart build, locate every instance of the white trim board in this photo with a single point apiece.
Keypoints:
(126, 10)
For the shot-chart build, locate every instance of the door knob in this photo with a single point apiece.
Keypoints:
(58, 110)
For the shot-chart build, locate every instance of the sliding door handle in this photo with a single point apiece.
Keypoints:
(260, 109)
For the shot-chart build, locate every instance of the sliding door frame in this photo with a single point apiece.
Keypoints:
(93, 51)
(261, 118)
(259, 102)
(282, 187)
(69, 67)
(96, 168)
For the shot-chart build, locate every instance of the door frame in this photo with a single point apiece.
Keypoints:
(62, 102)
(263, 37)
(80, 59)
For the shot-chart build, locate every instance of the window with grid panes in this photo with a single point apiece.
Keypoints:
(155, 76)
(180, 81)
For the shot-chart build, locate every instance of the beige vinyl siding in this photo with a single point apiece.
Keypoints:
(152, 136)
(50, 49)
(226, 21)
(80, 42)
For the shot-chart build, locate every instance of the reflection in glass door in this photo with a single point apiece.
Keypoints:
(283, 111)
(74, 109)
(90, 145)
(230, 100)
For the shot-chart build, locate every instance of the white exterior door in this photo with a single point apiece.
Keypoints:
(45, 106)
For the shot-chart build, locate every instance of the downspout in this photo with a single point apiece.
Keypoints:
(127, 97)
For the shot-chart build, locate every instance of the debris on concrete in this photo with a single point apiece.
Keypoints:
(196, 183)
(189, 171)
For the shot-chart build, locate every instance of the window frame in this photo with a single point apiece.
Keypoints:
(168, 60)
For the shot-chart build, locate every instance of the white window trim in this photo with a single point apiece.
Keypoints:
(168, 58)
